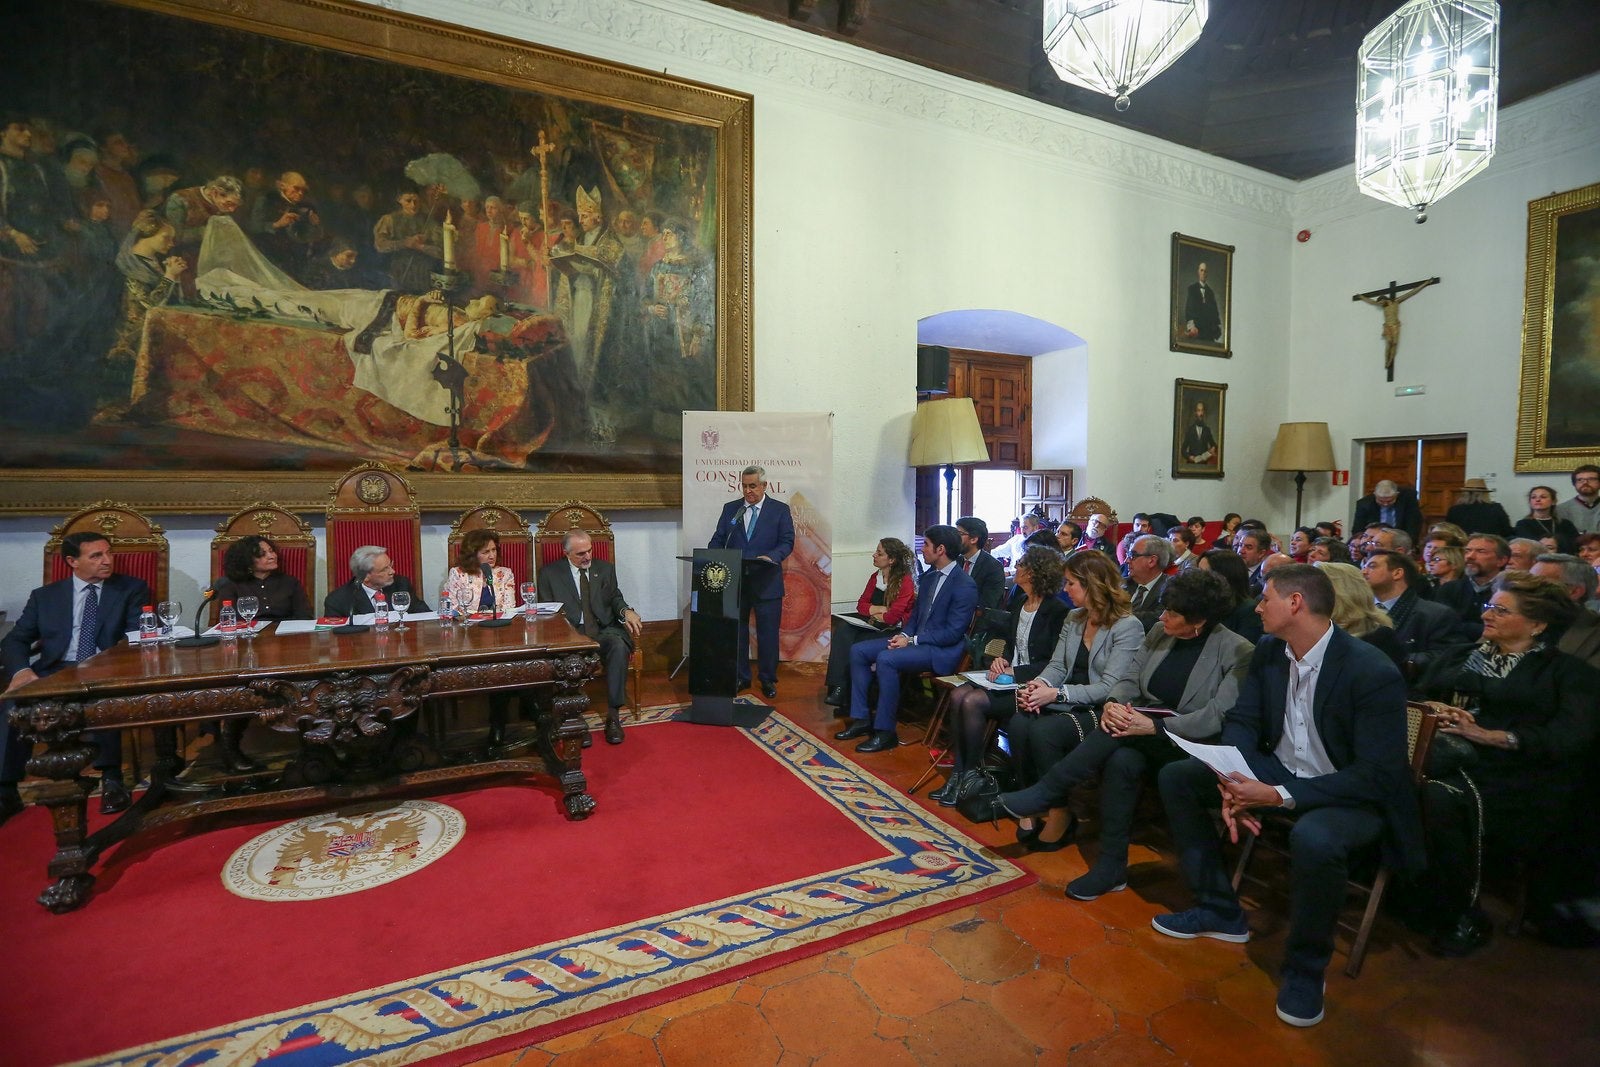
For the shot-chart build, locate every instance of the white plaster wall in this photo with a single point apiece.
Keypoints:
(1462, 338)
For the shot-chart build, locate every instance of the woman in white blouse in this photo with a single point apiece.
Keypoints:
(469, 590)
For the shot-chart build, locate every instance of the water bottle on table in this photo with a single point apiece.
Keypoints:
(380, 613)
(228, 622)
(149, 626)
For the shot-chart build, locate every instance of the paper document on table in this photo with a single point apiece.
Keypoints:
(216, 631)
(1224, 759)
(981, 679)
(177, 631)
(297, 626)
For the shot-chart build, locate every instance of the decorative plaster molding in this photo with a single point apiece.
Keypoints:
(841, 76)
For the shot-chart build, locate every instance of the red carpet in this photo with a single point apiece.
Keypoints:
(687, 816)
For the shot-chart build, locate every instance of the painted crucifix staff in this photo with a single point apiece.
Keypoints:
(539, 152)
(1389, 300)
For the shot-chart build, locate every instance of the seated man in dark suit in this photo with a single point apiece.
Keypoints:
(1424, 628)
(69, 621)
(1147, 577)
(1321, 721)
(975, 559)
(593, 602)
(1487, 555)
(1392, 505)
(372, 572)
(933, 639)
(763, 527)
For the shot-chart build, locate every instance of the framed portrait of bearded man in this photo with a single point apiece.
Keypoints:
(258, 243)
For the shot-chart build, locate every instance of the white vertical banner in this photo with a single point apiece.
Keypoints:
(796, 451)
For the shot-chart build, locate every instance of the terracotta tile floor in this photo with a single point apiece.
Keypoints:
(1035, 978)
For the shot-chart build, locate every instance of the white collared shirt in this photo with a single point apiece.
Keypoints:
(79, 598)
(939, 577)
(1300, 749)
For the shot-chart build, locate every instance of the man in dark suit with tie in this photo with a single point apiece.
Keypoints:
(933, 639)
(1147, 577)
(1321, 722)
(762, 527)
(1423, 628)
(1392, 505)
(372, 572)
(985, 570)
(593, 602)
(69, 621)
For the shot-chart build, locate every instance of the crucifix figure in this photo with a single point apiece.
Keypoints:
(1390, 300)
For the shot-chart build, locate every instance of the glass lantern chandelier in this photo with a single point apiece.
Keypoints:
(1115, 46)
(1429, 85)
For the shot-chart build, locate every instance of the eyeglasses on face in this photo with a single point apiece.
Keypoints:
(1498, 610)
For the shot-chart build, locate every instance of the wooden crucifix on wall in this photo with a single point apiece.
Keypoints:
(1390, 299)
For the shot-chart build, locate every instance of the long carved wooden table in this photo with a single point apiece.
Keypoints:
(347, 698)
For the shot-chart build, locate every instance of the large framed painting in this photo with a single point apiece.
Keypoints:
(1197, 428)
(1558, 416)
(1201, 309)
(249, 245)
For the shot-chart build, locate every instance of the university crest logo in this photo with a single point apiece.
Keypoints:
(710, 439)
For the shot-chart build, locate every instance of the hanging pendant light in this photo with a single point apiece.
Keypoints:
(1115, 46)
(1428, 90)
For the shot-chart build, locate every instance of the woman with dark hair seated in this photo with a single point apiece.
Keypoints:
(1529, 715)
(250, 567)
(1060, 707)
(1328, 550)
(1300, 543)
(887, 599)
(1243, 619)
(1035, 627)
(1191, 664)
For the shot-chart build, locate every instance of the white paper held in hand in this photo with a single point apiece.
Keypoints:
(1224, 759)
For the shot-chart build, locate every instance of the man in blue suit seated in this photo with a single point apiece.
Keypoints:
(1321, 722)
(933, 639)
(762, 527)
(68, 621)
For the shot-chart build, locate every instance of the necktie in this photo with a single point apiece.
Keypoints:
(927, 605)
(1138, 598)
(590, 627)
(966, 565)
(88, 632)
(750, 521)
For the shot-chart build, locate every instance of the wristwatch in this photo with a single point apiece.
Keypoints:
(1512, 742)
(1061, 694)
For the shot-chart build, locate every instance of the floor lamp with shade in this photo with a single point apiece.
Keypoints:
(1301, 447)
(945, 433)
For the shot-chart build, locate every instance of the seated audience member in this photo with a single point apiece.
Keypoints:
(250, 567)
(1530, 714)
(1423, 628)
(1068, 534)
(1341, 772)
(1035, 627)
(372, 572)
(1243, 619)
(1442, 562)
(934, 638)
(475, 585)
(1300, 543)
(1473, 510)
(986, 571)
(1588, 549)
(1524, 550)
(1197, 526)
(1147, 577)
(1582, 636)
(1328, 550)
(890, 591)
(592, 600)
(1191, 664)
(100, 607)
(1141, 527)
(1326, 529)
(1027, 526)
(1542, 524)
(1096, 526)
(1389, 539)
(1486, 555)
(1254, 546)
(1183, 554)
(1230, 525)
(1061, 707)
(1357, 614)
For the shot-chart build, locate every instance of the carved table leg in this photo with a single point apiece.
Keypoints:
(561, 734)
(67, 796)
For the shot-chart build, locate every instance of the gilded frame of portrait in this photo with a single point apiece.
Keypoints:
(1187, 332)
(1557, 425)
(1197, 452)
(488, 64)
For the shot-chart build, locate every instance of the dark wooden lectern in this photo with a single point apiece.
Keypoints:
(714, 621)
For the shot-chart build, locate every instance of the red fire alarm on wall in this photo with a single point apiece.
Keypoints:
(1341, 477)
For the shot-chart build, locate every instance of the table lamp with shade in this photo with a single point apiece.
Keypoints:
(1301, 447)
(945, 433)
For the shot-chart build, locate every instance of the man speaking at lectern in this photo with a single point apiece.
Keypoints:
(762, 528)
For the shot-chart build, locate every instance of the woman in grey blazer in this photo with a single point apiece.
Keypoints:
(1191, 664)
(1058, 709)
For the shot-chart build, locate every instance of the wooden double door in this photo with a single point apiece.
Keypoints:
(1434, 466)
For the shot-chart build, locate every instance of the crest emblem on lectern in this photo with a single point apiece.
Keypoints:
(714, 577)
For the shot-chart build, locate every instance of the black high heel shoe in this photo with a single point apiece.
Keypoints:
(1039, 844)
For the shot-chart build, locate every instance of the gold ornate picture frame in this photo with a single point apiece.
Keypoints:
(351, 96)
(1198, 428)
(1201, 309)
(1558, 410)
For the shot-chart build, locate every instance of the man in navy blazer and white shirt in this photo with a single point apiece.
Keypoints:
(70, 620)
(763, 528)
(933, 639)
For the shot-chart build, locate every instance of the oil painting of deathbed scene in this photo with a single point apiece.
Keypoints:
(221, 249)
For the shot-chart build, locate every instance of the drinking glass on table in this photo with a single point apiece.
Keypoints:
(530, 597)
(249, 607)
(401, 601)
(169, 612)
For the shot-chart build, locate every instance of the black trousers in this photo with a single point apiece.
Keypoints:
(843, 639)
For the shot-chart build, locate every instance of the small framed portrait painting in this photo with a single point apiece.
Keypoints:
(1202, 290)
(1197, 428)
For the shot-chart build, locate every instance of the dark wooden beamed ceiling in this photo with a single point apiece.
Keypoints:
(1271, 83)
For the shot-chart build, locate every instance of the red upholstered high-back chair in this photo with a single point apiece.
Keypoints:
(373, 505)
(139, 545)
(297, 546)
(573, 515)
(510, 530)
(1093, 505)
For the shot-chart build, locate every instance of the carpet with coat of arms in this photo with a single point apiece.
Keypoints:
(900, 864)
